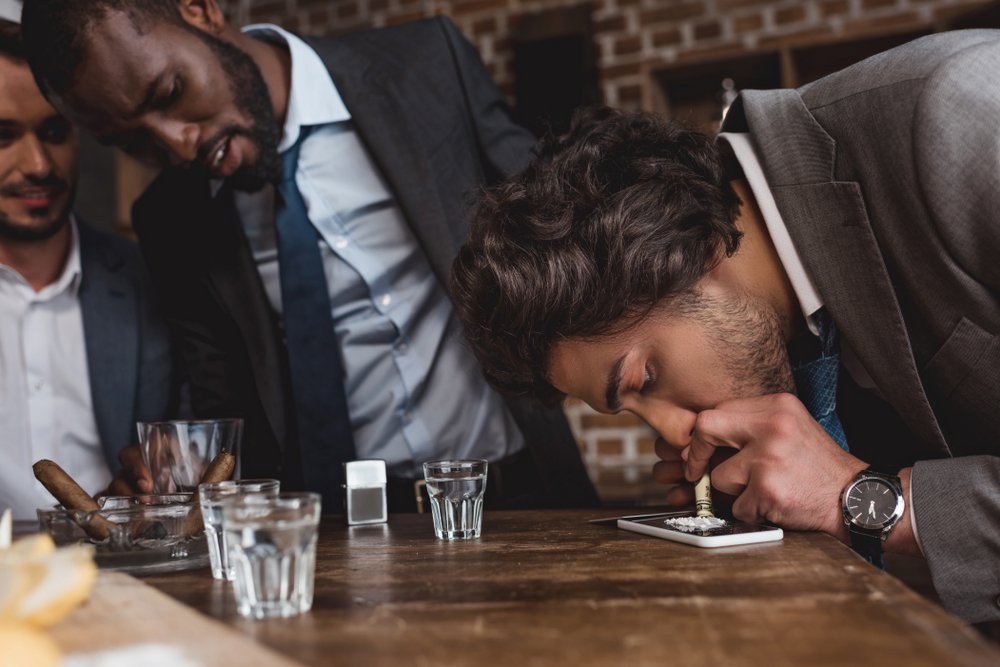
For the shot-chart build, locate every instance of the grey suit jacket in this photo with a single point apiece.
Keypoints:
(132, 373)
(888, 177)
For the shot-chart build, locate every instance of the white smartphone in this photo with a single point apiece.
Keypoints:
(733, 533)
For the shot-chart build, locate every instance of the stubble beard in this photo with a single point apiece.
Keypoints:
(748, 333)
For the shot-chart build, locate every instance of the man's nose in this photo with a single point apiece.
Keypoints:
(179, 141)
(34, 161)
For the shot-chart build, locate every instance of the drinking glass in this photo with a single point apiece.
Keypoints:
(178, 452)
(272, 550)
(456, 490)
(212, 497)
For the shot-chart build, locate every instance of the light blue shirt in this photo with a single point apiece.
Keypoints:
(414, 391)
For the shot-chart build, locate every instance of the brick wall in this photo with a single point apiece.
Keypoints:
(632, 36)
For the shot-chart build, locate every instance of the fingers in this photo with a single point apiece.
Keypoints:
(135, 470)
(668, 472)
(680, 496)
(666, 451)
(120, 487)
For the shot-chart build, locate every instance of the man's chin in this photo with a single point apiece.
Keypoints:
(34, 231)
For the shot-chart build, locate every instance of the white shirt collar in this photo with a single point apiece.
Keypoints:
(67, 282)
(802, 285)
(313, 98)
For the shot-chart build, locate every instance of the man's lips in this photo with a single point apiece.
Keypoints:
(36, 197)
(224, 159)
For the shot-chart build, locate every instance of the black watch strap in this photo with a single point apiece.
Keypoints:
(868, 545)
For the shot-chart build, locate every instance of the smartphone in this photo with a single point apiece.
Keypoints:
(732, 534)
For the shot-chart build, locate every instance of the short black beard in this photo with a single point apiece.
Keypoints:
(11, 231)
(254, 101)
(14, 232)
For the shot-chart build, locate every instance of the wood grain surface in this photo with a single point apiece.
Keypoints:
(548, 588)
(124, 612)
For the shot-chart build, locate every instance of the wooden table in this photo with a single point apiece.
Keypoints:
(548, 588)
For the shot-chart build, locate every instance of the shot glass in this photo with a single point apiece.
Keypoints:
(212, 497)
(272, 550)
(456, 491)
(178, 452)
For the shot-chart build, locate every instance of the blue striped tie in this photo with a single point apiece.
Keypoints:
(323, 424)
(816, 380)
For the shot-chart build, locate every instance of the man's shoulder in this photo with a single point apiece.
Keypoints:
(910, 63)
(406, 43)
(108, 246)
(435, 27)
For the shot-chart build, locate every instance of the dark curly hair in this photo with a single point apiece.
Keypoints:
(623, 211)
(55, 32)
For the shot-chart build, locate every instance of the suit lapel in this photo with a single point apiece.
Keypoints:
(829, 226)
(108, 301)
(394, 142)
(230, 270)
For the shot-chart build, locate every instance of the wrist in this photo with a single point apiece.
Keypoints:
(902, 539)
(838, 527)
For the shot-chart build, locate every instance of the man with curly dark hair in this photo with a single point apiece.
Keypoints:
(808, 307)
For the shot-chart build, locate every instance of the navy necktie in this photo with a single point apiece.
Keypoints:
(323, 423)
(816, 380)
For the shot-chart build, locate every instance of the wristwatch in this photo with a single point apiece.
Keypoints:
(872, 505)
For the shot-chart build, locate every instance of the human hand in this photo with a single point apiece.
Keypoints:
(670, 470)
(134, 477)
(786, 469)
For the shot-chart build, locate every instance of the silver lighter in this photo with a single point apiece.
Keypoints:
(364, 492)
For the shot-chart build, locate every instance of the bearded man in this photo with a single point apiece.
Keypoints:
(808, 307)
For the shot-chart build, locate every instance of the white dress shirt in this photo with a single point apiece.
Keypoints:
(45, 403)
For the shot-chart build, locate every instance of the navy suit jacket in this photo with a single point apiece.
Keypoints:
(131, 366)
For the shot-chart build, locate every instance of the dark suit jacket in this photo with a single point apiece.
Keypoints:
(437, 128)
(129, 358)
(888, 177)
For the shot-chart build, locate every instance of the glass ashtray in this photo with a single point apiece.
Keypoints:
(145, 534)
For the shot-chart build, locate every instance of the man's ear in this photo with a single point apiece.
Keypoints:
(205, 15)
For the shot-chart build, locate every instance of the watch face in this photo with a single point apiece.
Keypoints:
(871, 503)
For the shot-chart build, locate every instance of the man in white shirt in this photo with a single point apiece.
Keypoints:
(76, 323)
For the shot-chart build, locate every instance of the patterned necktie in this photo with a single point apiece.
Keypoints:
(323, 423)
(816, 380)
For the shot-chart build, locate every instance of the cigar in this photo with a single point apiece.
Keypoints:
(703, 496)
(69, 494)
(219, 470)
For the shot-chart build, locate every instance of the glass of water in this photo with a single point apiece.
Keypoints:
(456, 490)
(212, 497)
(272, 551)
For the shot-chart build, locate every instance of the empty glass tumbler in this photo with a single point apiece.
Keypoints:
(178, 452)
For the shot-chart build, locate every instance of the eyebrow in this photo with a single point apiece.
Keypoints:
(611, 393)
(151, 92)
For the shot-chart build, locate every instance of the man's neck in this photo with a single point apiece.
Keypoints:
(758, 267)
(40, 263)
